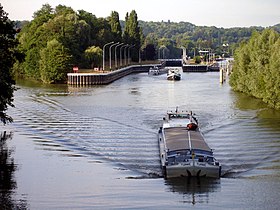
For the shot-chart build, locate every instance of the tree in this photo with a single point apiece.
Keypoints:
(94, 55)
(256, 67)
(149, 52)
(7, 59)
(32, 38)
(54, 62)
(132, 33)
(115, 26)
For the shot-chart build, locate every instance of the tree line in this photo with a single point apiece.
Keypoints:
(47, 47)
(59, 38)
(256, 69)
(172, 36)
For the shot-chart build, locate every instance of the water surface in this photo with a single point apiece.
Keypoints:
(96, 147)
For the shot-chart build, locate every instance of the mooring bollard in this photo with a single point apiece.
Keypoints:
(221, 75)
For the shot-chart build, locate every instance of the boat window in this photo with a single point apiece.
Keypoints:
(209, 159)
(179, 116)
(178, 152)
(203, 152)
(171, 160)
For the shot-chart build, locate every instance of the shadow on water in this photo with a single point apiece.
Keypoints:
(252, 137)
(266, 116)
(194, 189)
(8, 183)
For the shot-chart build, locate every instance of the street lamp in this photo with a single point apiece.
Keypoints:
(184, 56)
(139, 54)
(125, 53)
(163, 47)
(121, 54)
(104, 54)
(116, 60)
(110, 53)
(128, 58)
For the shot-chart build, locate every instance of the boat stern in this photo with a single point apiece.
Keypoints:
(193, 169)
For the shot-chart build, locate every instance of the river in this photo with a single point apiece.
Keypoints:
(96, 147)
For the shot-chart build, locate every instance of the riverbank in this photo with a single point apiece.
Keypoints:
(103, 78)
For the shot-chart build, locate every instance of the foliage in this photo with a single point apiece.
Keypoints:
(132, 34)
(256, 67)
(7, 58)
(115, 26)
(190, 36)
(149, 52)
(60, 31)
(53, 62)
(94, 55)
(197, 59)
(77, 31)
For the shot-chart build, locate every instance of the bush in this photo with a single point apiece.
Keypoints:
(256, 69)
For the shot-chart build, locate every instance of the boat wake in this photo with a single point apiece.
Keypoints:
(245, 145)
(56, 128)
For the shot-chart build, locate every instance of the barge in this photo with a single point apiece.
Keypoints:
(183, 150)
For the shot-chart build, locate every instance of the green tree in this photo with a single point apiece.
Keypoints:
(197, 59)
(272, 79)
(149, 52)
(33, 37)
(54, 62)
(7, 59)
(115, 26)
(132, 34)
(256, 67)
(90, 38)
(94, 55)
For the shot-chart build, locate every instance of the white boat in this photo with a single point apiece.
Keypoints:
(183, 150)
(173, 74)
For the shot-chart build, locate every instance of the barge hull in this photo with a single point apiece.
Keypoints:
(190, 170)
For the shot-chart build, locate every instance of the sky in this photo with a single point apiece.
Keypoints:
(219, 13)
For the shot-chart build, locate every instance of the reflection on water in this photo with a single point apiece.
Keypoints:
(252, 139)
(267, 117)
(7, 181)
(194, 189)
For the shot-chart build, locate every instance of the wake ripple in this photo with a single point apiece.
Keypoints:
(56, 128)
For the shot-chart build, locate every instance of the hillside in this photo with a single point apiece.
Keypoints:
(200, 37)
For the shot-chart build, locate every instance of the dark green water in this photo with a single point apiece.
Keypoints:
(96, 147)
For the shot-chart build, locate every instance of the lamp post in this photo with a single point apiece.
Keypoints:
(139, 54)
(128, 58)
(184, 56)
(116, 59)
(121, 54)
(125, 53)
(104, 54)
(110, 53)
(163, 47)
